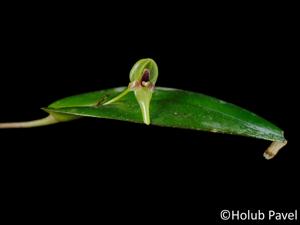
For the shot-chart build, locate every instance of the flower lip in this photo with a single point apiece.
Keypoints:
(146, 76)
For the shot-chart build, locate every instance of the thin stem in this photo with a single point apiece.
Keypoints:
(34, 123)
(122, 94)
(274, 148)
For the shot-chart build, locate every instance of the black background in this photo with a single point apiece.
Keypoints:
(99, 168)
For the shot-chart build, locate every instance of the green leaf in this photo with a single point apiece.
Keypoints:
(171, 108)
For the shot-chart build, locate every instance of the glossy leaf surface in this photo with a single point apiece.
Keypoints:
(171, 108)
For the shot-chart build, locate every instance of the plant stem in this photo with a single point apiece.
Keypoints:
(34, 123)
(123, 93)
(274, 149)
